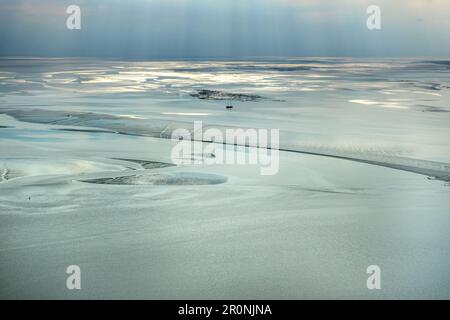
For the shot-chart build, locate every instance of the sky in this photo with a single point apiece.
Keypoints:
(152, 29)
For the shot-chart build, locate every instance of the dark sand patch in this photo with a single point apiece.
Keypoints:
(7, 174)
(221, 95)
(426, 108)
(176, 179)
(148, 164)
(86, 130)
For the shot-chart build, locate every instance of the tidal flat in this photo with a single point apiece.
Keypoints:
(87, 179)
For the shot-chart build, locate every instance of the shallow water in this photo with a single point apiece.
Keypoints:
(224, 231)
